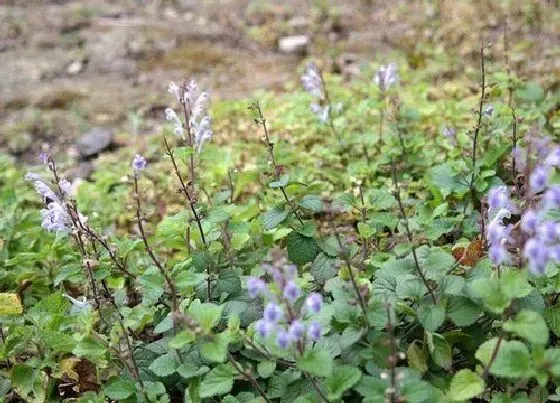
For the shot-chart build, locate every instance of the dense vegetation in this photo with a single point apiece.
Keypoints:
(398, 241)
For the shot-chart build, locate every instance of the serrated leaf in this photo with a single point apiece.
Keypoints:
(431, 316)
(207, 315)
(119, 388)
(219, 381)
(10, 304)
(341, 380)
(164, 365)
(301, 249)
(266, 368)
(323, 268)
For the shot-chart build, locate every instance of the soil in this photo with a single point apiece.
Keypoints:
(69, 66)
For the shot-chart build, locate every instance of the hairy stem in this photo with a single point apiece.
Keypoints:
(247, 375)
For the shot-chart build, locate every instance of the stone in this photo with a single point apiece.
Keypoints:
(295, 44)
(94, 141)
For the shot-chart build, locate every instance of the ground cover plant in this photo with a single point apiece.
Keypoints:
(365, 241)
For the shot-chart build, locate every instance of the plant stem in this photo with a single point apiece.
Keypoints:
(393, 358)
(155, 260)
(191, 201)
(248, 377)
(397, 195)
(270, 149)
(350, 272)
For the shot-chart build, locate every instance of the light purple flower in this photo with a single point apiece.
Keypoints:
(264, 328)
(65, 187)
(314, 302)
(529, 222)
(283, 339)
(272, 313)
(386, 76)
(314, 331)
(322, 112)
(255, 287)
(202, 132)
(498, 198)
(548, 231)
(291, 291)
(138, 163)
(537, 255)
(55, 218)
(175, 90)
(539, 179)
(296, 330)
(489, 110)
(171, 116)
(552, 197)
(498, 254)
(311, 81)
(553, 158)
(44, 158)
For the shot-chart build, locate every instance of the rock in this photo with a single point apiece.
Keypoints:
(75, 67)
(94, 141)
(295, 44)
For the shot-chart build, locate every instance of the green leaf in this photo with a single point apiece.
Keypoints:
(530, 326)
(417, 358)
(312, 203)
(216, 349)
(341, 380)
(281, 182)
(437, 263)
(266, 368)
(207, 315)
(91, 349)
(443, 180)
(301, 249)
(189, 370)
(164, 365)
(219, 381)
(512, 360)
(239, 239)
(316, 362)
(465, 385)
(463, 311)
(531, 92)
(323, 268)
(272, 218)
(381, 199)
(490, 291)
(431, 316)
(228, 282)
(119, 388)
(552, 317)
(440, 350)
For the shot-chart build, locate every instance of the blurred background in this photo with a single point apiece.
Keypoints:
(85, 77)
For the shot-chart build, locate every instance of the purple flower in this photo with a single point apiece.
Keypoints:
(322, 112)
(138, 163)
(498, 254)
(44, 158)
(283, 339)
(202, 132)
(314, 302)
(272, 313)
(498, 198)
(296, 330)
(255, 287)
(291, 291)
(489, 110)
(263, 328)
(171, 116)
(55, 218)
(553, 158)
(386, 76)
(529, 222)
(312, 82)
(65, 187)
(537, 254)
(314, 331)
(539, 179)
(450, 133)
(548, 231)
(552, 197)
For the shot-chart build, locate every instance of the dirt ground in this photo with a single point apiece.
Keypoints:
(69, 66)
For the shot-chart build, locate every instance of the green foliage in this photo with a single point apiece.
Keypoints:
(406, 315)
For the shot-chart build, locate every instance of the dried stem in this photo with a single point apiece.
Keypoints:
(247, 375)
(493, 356)
(397, 195)
(270, 148)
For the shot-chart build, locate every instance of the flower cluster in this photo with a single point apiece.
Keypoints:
(56, 217)
(386, 76)
(543, 244)
(138, 164)
(498, 236)
(313, 83)
(281, 319)
(195, 105)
